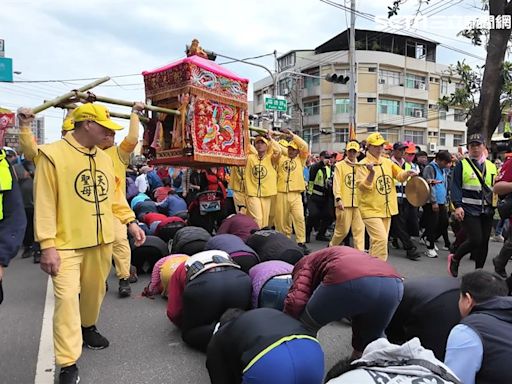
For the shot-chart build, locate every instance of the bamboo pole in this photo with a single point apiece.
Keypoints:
(126, 116)
(263, 131)
(68, 95)
(109, 100)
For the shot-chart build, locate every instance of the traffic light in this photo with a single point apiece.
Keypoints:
(338, 79)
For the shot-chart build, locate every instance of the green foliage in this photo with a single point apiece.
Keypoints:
(393, 10)
(470, 80)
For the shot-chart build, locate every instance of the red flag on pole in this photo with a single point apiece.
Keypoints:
(351, 132)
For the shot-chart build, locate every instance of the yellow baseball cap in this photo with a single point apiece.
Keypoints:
(376, 139)
(353, 145)
(69, 123)
(293, 145)
(260, 138)
(97, 113)
(283, 143)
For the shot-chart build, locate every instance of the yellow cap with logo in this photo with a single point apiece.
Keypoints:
(376, 139)
(353, 145)
(293, 144)
(260, 138)
(97, 113)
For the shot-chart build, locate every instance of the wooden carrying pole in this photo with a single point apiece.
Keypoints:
(262, 131)
(103, 99)
(68, 95)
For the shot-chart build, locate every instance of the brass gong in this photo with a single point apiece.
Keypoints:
(417, 191)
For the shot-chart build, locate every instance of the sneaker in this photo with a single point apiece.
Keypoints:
(133, 275)
(499, 271)
(69, 375)
(93, 339)
(431, 253)
(395, 244)
(453, 265)
(305, 249)
(413, 254)
(498, 239)
(124, 288)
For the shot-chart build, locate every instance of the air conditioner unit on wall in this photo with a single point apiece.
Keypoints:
(432, 147)
(418, 113)
(421, 86)
(382, 81)
(286, 91)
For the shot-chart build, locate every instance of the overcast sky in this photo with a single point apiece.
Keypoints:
(58, 39)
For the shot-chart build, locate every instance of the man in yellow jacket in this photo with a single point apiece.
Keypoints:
(120, 156)
(261, 178)
(346, 199)
(237, 185)
(76, 198)
(378, 200)
(290, 185)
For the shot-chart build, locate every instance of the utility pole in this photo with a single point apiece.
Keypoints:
(275, 93)
(352, 86)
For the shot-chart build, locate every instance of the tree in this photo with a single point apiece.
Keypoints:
(485, 115)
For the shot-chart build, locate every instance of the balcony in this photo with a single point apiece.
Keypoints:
(419, 122)
(451, 125)
(401, 91)
(311, 91)
(311, 120)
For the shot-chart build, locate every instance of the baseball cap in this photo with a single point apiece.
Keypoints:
(283, 143)
(260, 138)
(476, 138)
(399, 145)
(325, 154)
(411, 149)
(69, 123)
(375, 139)
(388, 147)
(353, 145)
(97, 113)
(293, 145)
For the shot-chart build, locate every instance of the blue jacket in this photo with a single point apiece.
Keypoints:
(12, 226)
(439, 192)
(173, 204)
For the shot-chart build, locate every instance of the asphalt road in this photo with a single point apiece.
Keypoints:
(144, 346)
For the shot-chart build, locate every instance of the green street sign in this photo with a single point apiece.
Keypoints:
(275, 104)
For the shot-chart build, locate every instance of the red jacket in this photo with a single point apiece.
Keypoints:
(334, 265)
(175, 294)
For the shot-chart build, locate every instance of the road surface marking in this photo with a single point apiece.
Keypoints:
(45, 369)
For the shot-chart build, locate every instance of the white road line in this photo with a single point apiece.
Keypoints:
(45, 369)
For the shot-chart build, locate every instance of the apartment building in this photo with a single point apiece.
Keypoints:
(398, 84)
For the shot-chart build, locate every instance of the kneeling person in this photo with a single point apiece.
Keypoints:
(263, 346)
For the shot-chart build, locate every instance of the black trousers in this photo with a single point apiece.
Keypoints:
(399, 224)
(505, 254)
(436, 224)
(28, 239)
(319, 216)
(478, 231)
(206, 298)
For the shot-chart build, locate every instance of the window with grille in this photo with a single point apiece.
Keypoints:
(417, 137)
(415, 109)
(458, 138)
(442, 139)
(459, 115)
(415, 81)
(342, 135)
(389, 77)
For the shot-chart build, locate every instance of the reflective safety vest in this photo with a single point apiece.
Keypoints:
(318, 187)
(5, 180)
(472, 193)
(400, 187)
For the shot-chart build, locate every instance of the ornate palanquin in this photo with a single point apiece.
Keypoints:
(212, 128)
